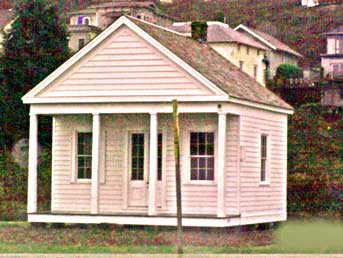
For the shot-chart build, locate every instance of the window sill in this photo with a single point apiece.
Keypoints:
(200, 183)
(82, 181)
(265, 184)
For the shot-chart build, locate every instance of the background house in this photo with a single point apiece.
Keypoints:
(332, 65)
(278, 52)
(243, 51)
(309, 3)
(332, 60)
(85, 24)
(6, 15)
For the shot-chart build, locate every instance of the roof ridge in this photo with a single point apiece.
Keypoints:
(155, 25)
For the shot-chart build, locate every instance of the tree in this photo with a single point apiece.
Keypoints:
(35, 46)
(288, 71)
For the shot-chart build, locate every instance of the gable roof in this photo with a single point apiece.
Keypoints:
(219, 32)
(200, 60)
(268, 40)
(213, 66)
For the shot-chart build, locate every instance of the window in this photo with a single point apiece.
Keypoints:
(202, 155)
(264, 157)
(137, 156)
(248, 50)
(255, 71)
(86, 21)
(84, 155)
(81, 43)
(239, 47)
(241, 64)
(159, 156)
(339, 46)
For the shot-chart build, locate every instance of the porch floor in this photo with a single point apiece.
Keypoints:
(124, 218)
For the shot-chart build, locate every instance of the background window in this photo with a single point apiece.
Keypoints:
(84, 155)
(202, 155)
(137, 156)
(241, 64)
(159, 157)
(255, 71)
(264, 139)
(81, 43)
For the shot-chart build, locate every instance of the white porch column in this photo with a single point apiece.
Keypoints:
(221, 164)
(95, 164)
(153, 164)
(33, 165)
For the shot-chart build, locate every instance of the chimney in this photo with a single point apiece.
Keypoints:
(199, 30)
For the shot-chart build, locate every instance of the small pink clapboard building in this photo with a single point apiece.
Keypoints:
(112, 149)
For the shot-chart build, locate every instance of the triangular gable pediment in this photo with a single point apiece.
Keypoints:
(124, 66)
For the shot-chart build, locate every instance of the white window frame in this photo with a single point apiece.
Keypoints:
(186, 166)
(102, 165)
(267, 172)
(84, 20)
(75, 161)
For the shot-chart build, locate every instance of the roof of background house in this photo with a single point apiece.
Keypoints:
(336, 31)
(125, 4)
(271, 40)
(218, 32)
(213, 66)
(5, 17)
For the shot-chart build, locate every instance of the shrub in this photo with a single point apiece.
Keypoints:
(315, 161)
(13, 187)
(288, 71)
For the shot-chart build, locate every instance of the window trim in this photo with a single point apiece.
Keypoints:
(84, 20)
(266, 182)
(186, 161)
(75, 178)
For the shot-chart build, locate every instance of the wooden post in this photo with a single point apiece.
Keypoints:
(95, 164)
(221, 164)
(153, 164)
(178, 176)
(33, 165)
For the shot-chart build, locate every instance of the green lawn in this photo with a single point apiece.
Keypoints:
(294, 236)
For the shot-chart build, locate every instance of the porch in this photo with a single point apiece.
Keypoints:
(111, 195)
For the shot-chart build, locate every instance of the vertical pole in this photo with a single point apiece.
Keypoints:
(178, 176)
(221, 165)
(153, 164)
(33, 165)
(95, 164)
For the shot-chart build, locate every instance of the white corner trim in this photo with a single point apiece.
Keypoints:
(243, 27)
(106, 33)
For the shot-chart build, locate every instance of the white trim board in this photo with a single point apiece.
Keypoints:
(241, 26)
(31, 95)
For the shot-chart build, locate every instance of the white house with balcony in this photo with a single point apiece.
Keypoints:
(112, 145)
(309, 3)
(332, 60)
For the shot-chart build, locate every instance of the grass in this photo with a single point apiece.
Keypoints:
(295, 236)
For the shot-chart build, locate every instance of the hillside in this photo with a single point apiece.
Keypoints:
(299, 27)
